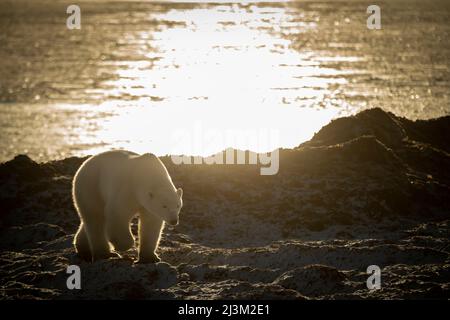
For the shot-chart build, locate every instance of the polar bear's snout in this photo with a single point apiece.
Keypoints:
(173, 222)
(173, 218)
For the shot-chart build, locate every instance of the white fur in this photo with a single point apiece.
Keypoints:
(109, 189)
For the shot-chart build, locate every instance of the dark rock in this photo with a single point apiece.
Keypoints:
(23, 169)
(313, 280)
(384, 126)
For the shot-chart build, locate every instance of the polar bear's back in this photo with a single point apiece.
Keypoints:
(97, 174)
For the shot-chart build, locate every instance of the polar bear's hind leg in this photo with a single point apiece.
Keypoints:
(96, 234)
(119, 234)
(81, 244)
(93, 222)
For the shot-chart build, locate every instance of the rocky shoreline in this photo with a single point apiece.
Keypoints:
(371, 189)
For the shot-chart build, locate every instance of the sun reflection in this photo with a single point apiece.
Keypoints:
(219, 68)
(154, 128)
(223, 67)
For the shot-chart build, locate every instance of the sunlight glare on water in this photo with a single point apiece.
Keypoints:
(169, 78)
(219, 72)
(203, 70)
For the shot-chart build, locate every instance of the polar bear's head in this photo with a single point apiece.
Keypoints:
(154, 189)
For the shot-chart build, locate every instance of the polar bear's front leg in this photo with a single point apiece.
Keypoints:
(150, 227)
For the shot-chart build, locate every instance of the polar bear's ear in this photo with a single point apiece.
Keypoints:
(148, 156)
(144, 156)
(180, 192)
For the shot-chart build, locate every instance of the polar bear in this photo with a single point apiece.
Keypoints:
(109, 189)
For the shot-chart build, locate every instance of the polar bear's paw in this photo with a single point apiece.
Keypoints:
(85, 255)
(123, 245)
(106, 255)
(148, 259)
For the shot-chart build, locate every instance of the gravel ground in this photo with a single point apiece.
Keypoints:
(370, 189)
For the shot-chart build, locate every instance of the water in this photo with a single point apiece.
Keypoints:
(197, 78)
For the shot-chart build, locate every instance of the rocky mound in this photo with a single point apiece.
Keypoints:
(370, 189)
